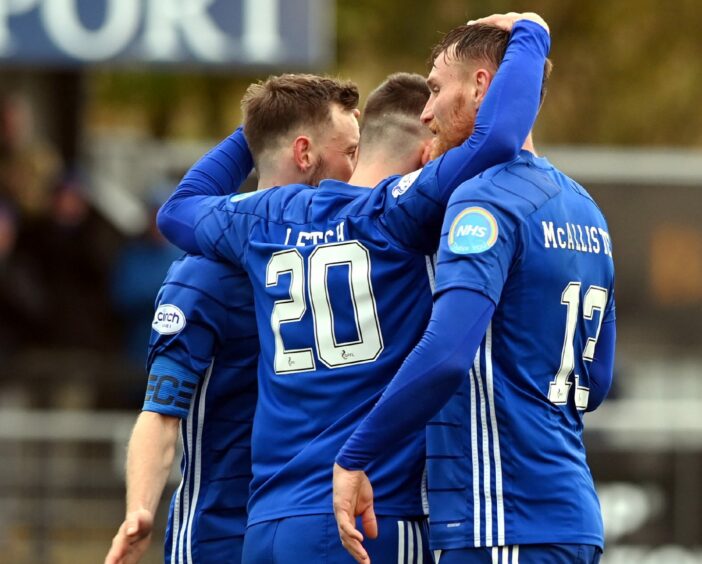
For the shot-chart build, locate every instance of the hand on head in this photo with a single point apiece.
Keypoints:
(507, 21)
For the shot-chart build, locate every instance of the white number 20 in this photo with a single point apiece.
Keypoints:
(333, 354)
(595, 299)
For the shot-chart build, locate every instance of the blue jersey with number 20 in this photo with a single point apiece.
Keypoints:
(342, 294)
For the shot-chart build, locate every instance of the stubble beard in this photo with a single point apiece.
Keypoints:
(318, 173)
(452, 134)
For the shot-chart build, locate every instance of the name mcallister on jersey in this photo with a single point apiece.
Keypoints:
(576, 237)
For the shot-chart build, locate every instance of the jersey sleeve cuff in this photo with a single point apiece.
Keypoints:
(534, 29)
(170, 389)
(348, 463)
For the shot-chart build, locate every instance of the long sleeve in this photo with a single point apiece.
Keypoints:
(507, 113)
(427, 379)
(417, 202)
(220, 172)
(602, 370)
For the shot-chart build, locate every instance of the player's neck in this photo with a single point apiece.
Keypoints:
(370, 173)
(529, 145)
(365, 175)
(277, 178)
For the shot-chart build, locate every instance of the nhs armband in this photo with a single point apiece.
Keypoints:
(474, 230)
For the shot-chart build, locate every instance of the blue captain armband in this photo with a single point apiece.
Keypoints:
(171, 388)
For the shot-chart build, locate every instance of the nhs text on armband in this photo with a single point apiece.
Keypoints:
(576, 237)
(333, 234)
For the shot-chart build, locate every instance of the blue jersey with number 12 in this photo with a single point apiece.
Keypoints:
(506, 461)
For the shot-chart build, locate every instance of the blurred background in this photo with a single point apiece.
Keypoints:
(105, 103)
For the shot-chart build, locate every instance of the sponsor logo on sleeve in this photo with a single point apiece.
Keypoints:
(473, 231)
(168, 319)
(405, 183)
(239, 197)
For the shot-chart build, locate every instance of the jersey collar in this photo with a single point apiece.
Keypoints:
(539, 162)
(338, 186)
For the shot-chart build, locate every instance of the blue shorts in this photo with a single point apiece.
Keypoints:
(225, 550)
(314, 539)
(522, 554)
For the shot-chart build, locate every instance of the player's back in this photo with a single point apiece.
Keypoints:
(340, 302)
(515, 429)
(205, 324)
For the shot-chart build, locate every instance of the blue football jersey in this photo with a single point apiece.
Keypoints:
(202, 367)
(506, 460)
(343, 292)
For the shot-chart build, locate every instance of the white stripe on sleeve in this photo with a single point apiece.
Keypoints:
(431, 273)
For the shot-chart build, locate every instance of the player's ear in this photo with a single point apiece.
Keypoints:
(482, 79)
(426, 151)
(302, 153)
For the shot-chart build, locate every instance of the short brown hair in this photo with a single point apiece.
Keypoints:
(402, 92)
(280, 104)
(479, 42)
(394, 106)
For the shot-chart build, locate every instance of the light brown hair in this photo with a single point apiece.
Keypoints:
(281, 104)
(479, 42)
(393, 108)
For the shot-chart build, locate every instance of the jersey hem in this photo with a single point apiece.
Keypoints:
(468, 543)
(388, 511)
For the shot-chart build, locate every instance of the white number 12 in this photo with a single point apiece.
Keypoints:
(595, 299)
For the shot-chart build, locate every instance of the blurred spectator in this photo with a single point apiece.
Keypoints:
(23, 300)
(73, 246)
(29, 166)
(137, 276)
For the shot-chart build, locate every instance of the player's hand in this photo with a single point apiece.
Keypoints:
(353, 495)
(507, 21)
(133, 538)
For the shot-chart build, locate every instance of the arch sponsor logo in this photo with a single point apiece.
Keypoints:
(168, 320)
(473, 231)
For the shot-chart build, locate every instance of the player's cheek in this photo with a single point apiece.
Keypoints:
(349, 165)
